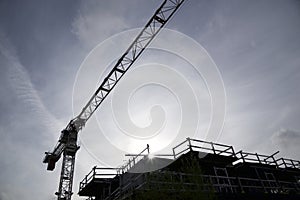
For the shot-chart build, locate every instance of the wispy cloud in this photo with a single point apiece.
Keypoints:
(95, 23)
(29, 128)
(23, 87)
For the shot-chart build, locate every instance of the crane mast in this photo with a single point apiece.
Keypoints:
(67, 143)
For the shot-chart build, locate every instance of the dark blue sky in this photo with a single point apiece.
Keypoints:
(255, 45)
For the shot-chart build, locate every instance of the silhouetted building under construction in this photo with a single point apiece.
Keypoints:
(196, 170)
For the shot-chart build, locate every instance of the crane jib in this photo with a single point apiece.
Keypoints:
(67, 143)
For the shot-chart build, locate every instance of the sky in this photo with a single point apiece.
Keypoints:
(53, 55)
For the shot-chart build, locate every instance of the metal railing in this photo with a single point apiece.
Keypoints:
(109, 172)
(204, 146)
(288, 163)
(98, 172)
(247, 157)
(256, 158)
(133, 160)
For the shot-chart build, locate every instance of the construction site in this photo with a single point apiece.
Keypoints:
(194, 169)
(197, 170)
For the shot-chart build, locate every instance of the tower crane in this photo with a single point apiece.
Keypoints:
(67, 143)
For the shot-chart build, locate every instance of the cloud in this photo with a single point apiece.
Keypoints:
(93, 23)
(23, 88)
(289, 142)
(98, 20)
(26, 129)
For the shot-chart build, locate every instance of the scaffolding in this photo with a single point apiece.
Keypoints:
(222, 172)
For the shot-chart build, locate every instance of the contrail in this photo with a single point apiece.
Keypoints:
(24, 89)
